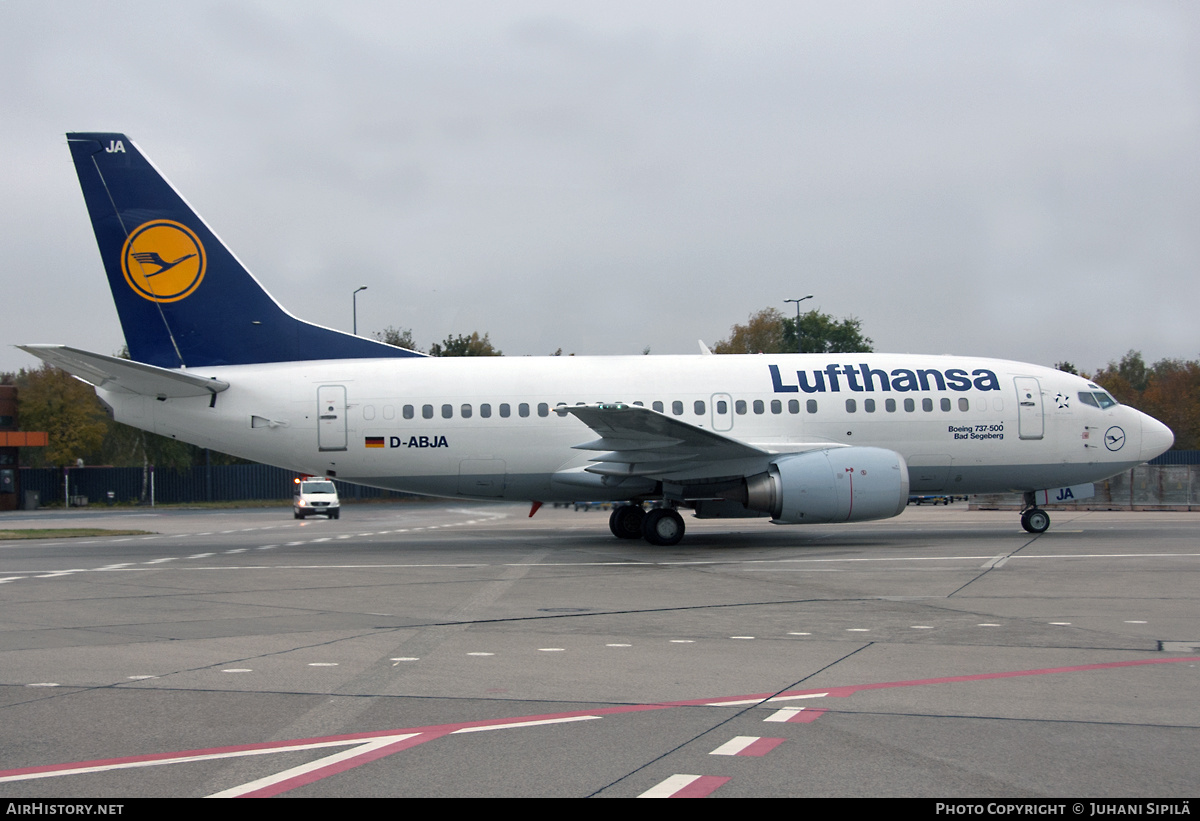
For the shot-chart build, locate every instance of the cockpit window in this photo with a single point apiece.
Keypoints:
(1097, 399)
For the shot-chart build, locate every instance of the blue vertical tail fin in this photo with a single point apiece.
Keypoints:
(183, 298)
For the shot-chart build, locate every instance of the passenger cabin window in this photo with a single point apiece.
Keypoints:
(505, 410)
(811, 405)
(909, 406)
(964, 403)
(889, 405)
(543, 409)
(658, 406)
(869, 405)
(759, 407)
(466, 411)
(739, 407)
(485, 410)
(776, 406)
(408, 412)
(523, 409)
(793, 406)
(427, 411)
(447, 411)
(946, 404)
(851, 406)
(722, 407)
(677, 408)
(927, 404)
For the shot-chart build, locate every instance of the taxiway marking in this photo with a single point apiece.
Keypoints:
(686, 786)
(373, 745)
(748, 745)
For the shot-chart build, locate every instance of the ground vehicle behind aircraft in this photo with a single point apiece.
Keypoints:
(313, 496)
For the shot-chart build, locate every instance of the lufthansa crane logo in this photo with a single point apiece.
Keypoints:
(163, 261)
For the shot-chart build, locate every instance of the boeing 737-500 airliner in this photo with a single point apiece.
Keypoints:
(799, 438)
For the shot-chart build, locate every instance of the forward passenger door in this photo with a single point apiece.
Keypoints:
(1031, 423)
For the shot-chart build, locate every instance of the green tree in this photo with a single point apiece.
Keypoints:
(1066, 367)
(52, 400)
(400, 337)
(821, 333)
(1126, 379)
(762, 333)
(769, 331)
(460, 345)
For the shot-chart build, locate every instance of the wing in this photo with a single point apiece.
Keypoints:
(639, 442)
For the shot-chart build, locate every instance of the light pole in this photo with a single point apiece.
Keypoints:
(798, 301)
(354, 299)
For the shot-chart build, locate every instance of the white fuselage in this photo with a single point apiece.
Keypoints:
(485, 427)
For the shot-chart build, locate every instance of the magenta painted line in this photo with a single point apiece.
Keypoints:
(806, 716)
(702, 787)
(762, 746)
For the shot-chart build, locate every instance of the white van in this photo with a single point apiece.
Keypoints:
(314, 497)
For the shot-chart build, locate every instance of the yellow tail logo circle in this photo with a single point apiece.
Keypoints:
(163, 261)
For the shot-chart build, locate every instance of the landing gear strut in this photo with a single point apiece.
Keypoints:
(1033, 518)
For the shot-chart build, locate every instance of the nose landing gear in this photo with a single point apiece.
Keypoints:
(1033, 518)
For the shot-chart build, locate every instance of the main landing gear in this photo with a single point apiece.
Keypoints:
(662, 526)
(1033, 518)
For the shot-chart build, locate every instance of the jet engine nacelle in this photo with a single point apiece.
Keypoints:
(835, 485)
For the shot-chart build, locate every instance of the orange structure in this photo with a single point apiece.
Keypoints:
(11, 440)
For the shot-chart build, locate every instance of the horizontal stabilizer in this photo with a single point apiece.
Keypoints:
(114, 374)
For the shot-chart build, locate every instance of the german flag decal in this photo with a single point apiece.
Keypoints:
(374, 441)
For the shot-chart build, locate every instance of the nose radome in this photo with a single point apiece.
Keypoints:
(1157, 438)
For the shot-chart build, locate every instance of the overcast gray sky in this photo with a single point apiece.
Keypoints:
(1011, 179)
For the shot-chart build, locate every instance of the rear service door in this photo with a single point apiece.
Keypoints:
(331, 417)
